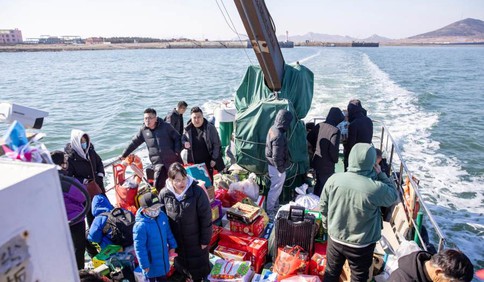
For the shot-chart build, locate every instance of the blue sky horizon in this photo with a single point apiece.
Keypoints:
(203, 19)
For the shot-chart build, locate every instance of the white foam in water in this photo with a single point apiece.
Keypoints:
(440, 176)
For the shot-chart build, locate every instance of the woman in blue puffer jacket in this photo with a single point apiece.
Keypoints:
(153, 238)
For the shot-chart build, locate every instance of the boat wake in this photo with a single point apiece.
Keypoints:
(454, 197)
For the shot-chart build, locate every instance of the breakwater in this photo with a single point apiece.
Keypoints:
(107, 46)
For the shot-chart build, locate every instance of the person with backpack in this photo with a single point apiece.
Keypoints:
(154, 242)
(74, 202)
(111, 226)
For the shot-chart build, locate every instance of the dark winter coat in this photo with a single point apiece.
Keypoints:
(152, 241)
(212, 140)
(81, 164)
(277, 149)
(324, 138)
(176, 120)
(163, 143)
(100, 204)
(191, 224)
(73, 200)
(411, 268)
(360, 129)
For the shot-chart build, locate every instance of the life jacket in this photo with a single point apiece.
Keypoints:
(119, 226)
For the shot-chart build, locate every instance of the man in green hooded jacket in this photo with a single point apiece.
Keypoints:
(350, 204)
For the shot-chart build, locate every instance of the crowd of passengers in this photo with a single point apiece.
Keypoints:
(350, 202)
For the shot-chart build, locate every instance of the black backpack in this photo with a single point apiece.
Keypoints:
(120, 224)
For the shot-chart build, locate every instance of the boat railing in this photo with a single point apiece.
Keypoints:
(400, 170)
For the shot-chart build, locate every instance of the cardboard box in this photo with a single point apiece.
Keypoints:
(253, 229)
(215, 235)
(230, 254)
(256, 248)
(216, 207)
(243, 213)
(317, 265)
(211, 193)
(199, 172)
(267, 231)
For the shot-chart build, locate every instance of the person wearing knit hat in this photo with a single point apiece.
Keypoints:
(152, 233)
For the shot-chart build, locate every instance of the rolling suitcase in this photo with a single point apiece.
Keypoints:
(294, 227)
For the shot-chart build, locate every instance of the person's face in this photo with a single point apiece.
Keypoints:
(197, 119)
(150, 120)
(182, 110)
(378, 159)
(179, 182)
(83, 139)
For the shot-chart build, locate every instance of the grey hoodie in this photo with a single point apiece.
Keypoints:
(277, 150)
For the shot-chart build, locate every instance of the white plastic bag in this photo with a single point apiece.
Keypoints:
(249, 187)
(308, 201)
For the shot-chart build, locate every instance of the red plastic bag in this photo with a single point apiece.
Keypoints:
(236, 196)
(224, 197)
(290, 261)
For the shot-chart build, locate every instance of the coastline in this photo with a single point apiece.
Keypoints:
(206, 44)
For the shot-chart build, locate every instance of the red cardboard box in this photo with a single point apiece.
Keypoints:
(253, 229)
(215, 234)
(256, 248)
(317, 265)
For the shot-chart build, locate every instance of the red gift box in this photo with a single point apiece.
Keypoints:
(253, 229)
(215, 234)
(317, 265)
(256, 248)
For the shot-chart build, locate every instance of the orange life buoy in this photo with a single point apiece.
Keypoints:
(411, 202)
(136, 165)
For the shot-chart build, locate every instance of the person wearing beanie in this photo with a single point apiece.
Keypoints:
(154, 242)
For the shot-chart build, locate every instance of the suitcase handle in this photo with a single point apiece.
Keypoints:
(296, 213)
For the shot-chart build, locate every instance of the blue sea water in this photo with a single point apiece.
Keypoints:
(430, 97)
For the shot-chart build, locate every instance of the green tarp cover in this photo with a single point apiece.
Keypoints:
(297, 87)
(256, 111)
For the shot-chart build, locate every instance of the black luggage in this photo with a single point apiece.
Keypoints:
(294, 227)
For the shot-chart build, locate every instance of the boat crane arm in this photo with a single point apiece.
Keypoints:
(259, 26)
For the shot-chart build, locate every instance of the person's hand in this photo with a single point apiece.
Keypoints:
(146, 270)
(203, 246)
(187, 145)
(377, 168)
(212, 163)
(172, 253)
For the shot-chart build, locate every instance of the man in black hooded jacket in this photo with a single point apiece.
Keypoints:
(163, 143)
(447, 265)
(324, 138)
(360, 129)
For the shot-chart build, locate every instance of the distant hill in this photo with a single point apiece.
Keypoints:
(376, 38)
(464, 28)
(464, 31)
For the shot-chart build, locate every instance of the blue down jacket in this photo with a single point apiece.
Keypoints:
(100, 204)
(152, 241)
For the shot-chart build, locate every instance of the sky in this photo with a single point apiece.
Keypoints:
(202, 19)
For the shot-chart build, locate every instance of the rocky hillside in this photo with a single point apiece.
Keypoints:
(464, 28)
